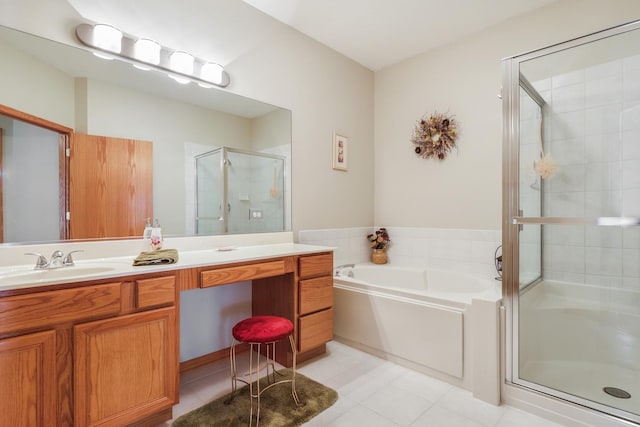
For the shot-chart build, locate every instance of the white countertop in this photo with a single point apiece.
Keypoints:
(24, 276)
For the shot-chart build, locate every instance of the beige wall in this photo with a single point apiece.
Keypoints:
(327, 93)
(464, 191)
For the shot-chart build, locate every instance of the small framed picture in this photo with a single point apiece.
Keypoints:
(340, 152)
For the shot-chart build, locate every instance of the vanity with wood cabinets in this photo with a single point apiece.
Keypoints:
(106, 351)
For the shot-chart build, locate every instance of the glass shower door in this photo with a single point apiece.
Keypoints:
(255, 192)
(571, 232)
(210, 193)
(239, 192)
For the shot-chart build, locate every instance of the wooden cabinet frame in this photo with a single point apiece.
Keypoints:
(72, 331)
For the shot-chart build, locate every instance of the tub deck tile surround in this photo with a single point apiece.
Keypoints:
(462, 250)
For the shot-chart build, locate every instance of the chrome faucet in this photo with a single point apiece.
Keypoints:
(58, 260)
(338, 270)
(497, 259)
(41, 262)
(68, 260)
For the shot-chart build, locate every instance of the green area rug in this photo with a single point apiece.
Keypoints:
(277, 408)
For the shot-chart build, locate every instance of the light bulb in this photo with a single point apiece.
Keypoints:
(108, 38)
(211, 72)
(147, 51)
(181, 62)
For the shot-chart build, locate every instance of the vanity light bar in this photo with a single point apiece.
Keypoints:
(181, 66)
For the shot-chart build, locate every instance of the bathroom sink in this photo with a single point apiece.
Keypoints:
(51, 275)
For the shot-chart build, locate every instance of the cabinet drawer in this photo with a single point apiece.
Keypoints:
(47, 309)
(315, 265)
(223, 276)
(315, 329)
(315, 294)
(156, 291)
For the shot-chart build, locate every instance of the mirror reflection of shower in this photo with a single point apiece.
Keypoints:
(239, 191)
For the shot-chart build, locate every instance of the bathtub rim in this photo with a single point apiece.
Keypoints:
(457, 300)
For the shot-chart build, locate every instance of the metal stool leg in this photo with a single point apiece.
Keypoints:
(293, 371)
(253, 382)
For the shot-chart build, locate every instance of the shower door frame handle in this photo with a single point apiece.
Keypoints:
(613, 221)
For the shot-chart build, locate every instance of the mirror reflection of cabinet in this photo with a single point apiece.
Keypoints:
(110, 186)
(99, 187)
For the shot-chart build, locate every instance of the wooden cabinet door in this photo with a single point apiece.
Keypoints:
(125, 368)
(28, 380)
(110, 186)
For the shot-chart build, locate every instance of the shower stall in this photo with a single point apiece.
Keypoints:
(571, 222)
(239, 192)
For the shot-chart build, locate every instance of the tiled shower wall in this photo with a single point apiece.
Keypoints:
(468, 251)
(592, 129)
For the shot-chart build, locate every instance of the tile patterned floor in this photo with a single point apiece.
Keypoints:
(372, 392)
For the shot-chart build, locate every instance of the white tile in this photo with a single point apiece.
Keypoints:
(632, 283)
(568, 151)
(611, 69)
(631, 174)
(631, 203)
(516, 418)
(631, 144)
(483, 252)
(603, 92)
(399, 405)
(361, 416)
(568, 98)
(602, 203)
(565, 234)
(631, 262)
(603, 176)
(631, 116)
(423, 385)
(564, 204)
(607, 281)
(602, 147)
(631, 238)
(608, 237)
(542, 85)
(364, 386)
(326, 417)
(568, 125)
(567, 259)
(568, 178)
(462, 402)
(603, 261)
(563, 276)
(566, 79)
(188, 402)
(604, 119)
(438, 416)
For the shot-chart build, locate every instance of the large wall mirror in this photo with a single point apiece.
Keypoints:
(218, 163)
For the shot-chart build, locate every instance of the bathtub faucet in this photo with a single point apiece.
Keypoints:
(498, 262)
(338, 270)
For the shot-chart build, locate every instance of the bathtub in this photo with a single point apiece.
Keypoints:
(439, 286)
(442, 323)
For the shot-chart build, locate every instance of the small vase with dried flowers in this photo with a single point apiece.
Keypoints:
(379, 241)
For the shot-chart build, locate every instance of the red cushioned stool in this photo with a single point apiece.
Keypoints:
(256, 331)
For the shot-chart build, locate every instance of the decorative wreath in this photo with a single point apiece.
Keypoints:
(434, 137)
